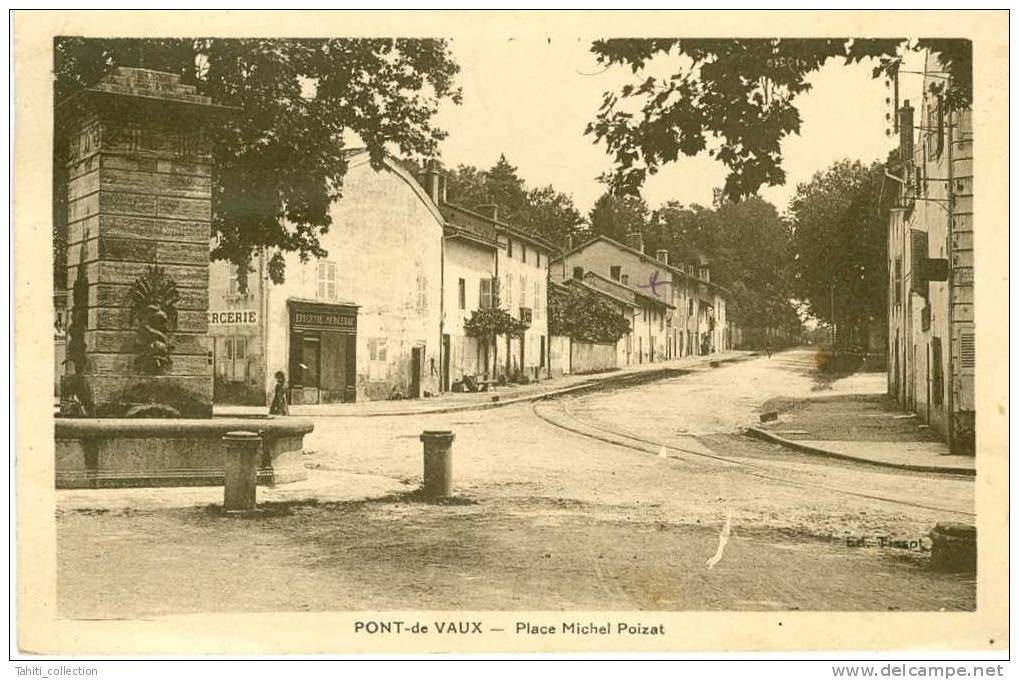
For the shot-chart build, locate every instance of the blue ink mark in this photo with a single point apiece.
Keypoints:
(652, 283)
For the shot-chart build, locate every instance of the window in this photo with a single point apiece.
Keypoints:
(537, 300)
(461, 289)
(487, 294)
(537, 259)
(578, 272)
(523, 290)
(523, 253)
(235, 353)
(614, 272)
(234, 285)
(690, 313)
(378, 368)
(422, 297)
(326, 280)
(509, 247)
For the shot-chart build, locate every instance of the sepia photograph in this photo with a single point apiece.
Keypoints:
(582, 328)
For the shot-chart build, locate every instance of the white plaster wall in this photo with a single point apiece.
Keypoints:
(384, 236)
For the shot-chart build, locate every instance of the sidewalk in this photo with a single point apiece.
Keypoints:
(862, 424)
(502, 396)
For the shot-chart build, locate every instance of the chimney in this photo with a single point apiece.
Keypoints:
(490, 210)
(906, 133)
(635, 240)
(434, 182)
(662, 256)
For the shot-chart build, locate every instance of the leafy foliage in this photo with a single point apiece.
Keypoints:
(76, 352)
(491, 322)
(153, 298)
(618, 216)
(583, 316)
(734, 99)
(748, 248)
(282, 161)
(839, 241)
(543, 211)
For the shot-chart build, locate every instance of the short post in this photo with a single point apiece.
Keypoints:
(954, 547)
(240, 462)
(438, 477)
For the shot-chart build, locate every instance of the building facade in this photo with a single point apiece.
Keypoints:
(931, 336)
(516, 280)
(691, 319)
(361, 323)
(469, 274)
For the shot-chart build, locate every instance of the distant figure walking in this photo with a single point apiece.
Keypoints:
(279, 405)
(767, 348)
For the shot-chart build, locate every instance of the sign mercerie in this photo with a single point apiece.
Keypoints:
(234, 317)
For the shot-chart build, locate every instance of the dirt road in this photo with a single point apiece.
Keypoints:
(549, 519)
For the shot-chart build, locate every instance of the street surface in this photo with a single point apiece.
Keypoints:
(567, 503)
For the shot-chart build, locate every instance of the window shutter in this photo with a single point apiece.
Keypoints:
(967, 352)
(918, 256)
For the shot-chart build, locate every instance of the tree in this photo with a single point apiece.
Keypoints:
(545, 212)
(488, 323)
(734, 99)
(618, 216)
(839, 232)
(281, 163)
(505, 188)
(583, 316)
(748, 249)
(552, 215)
(467, 186)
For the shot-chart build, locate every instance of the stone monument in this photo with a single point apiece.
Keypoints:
(139, 167)
(136, 394)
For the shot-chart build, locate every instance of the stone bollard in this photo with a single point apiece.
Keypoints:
(240, 462)
(438, 477)
(954, 547)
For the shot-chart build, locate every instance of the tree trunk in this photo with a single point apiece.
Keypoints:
(495, 355)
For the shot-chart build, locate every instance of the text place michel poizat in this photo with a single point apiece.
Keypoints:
(589, 628)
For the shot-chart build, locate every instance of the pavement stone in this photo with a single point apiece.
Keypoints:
(858, 421)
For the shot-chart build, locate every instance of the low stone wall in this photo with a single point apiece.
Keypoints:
(589, 357)
(117, 452)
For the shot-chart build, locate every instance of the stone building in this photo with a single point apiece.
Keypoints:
(931, 337)
(361, 323)
(693, 316)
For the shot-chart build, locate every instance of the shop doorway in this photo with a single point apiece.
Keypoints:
(322, 353)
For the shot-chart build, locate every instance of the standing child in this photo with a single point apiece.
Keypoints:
(279, 398)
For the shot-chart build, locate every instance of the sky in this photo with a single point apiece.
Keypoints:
(532, 98)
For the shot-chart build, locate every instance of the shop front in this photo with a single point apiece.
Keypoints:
(323, 352)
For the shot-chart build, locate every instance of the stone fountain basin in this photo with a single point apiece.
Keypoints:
(137, 452)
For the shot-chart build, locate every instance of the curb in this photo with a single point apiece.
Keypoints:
(764, 435)
(485, 405)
